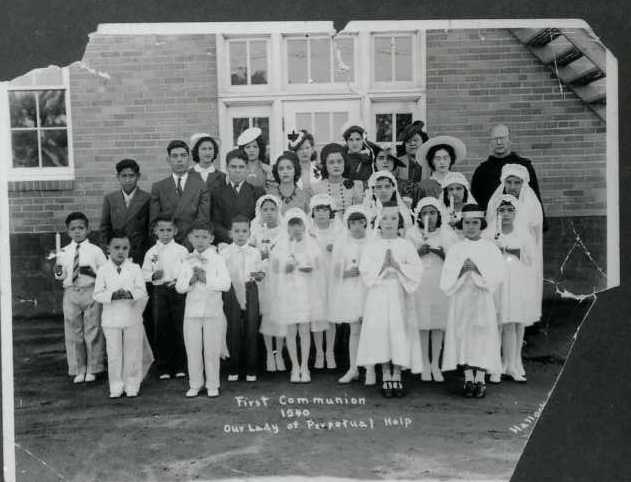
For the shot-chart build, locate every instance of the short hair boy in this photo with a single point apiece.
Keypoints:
(76, 266)
(242, 307)
(127, 210)
(161, 267)
(120, 288)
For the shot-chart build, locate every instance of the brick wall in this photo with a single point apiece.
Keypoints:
(477, 78)
(129, 97)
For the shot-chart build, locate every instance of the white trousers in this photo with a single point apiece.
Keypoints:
(124, 358)
(203, 350)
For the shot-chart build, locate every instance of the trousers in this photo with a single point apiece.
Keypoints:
(85, 344)
(124, 358)
(203, 341)
(168, 336)
(243, 331)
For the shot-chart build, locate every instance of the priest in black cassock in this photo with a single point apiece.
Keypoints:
(486, 176)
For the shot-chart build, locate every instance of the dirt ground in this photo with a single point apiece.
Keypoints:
(75, 432)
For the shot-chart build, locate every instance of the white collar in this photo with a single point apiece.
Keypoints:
(74, 244)
(197, 167)
(183, 176)
(161, 244)
(128, 197)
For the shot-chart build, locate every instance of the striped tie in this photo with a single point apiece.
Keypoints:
(75, 265)
(179, 186)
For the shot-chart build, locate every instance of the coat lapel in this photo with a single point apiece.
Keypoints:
(135, 203)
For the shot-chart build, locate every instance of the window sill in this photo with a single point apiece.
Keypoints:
(41, 185)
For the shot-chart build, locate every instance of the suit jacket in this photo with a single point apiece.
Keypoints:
(213, 178)
(133, 220)
(226, 204)
(193, 205)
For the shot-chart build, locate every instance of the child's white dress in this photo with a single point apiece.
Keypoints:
(472, 335)
(325, 237)
(430, 301)
(346, 295)
(298, 297)
(389, 331)
(516, 293)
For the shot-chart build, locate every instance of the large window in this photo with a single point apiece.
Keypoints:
(239, 124)
(248, 62)
(40, 125)
(320, 59)
(390, 126)
(394, 58)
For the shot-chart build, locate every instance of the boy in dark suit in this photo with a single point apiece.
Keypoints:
(182, 195)
(127, 210)
(233, 197)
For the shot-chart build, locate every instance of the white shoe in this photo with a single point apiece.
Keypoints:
(437, 375)
(305, 376)
(165, 376)
(295, 376)
(250, 378)
(330, 361)
(371, 377)
(131, 393)
(426, 376)
(80, 378)
(89, 377)
(180, 375)
(270, 364)
(233, 378)
(349, 376)
(280, 362)
(319, 361)
(495, 378)
(212, 392)
(116, 394)
(192, 392)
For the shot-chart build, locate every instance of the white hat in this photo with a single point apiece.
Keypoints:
(196, 137)
(320, 199)
(454, 177)
(516, 170)
(372, 180)
(508, 198)
(424, 202)
(248, 136)
(355, 208)
(456, 144)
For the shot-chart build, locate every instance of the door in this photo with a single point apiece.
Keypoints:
(323, 119)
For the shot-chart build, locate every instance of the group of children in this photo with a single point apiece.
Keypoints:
(443, 277)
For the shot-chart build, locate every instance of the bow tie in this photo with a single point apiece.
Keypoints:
(198, 257)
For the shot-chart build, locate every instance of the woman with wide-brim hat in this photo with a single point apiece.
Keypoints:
(251, 143)
(437, 156)
(205, 152)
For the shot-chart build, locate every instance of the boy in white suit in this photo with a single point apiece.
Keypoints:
(120, 288)
(203, 277)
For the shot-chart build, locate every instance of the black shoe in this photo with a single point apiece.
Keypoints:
(398, 389)
(468, 389)
(386, 389)
(480, 390)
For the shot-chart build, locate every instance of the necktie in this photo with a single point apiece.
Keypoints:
(235, 187)
(75, 265)
(179, 186)
(127, 201)
(118, 269)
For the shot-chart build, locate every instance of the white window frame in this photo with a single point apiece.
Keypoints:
(393, 107)
(225, 70)
(331, 86)
(66, 173)
(417, 75)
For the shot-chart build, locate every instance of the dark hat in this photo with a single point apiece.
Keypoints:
(388, 151)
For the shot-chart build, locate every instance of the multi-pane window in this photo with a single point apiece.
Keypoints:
(390, 126)
(320, 60)
(325, 126)
(39, 124)
(248, 62)
(393, 58)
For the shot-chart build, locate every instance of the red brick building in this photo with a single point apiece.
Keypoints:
(133, 92)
